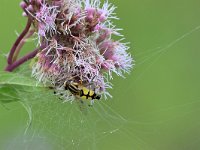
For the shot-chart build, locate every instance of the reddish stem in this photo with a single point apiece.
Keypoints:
(22, 60)
(21, 44)
(24, 32)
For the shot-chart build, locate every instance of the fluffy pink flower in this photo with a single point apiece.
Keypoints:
(79, 44)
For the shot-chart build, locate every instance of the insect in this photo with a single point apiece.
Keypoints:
(80, 91)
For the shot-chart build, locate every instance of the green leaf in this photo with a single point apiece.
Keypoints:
(8, 94)
(14, 85)
(17, 79)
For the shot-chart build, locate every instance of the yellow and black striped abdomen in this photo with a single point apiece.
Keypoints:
(81, 91)
(88, 94)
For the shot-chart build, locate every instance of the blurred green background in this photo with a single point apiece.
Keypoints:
(159, 100)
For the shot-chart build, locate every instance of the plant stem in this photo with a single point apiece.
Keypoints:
(21, 44)
(22, 60)
(24, 32)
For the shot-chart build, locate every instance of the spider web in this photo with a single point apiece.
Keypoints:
(53, 124)
(68, 127)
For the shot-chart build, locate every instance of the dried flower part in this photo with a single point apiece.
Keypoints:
(78, 35)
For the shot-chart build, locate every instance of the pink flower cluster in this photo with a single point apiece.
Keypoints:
(79, 45)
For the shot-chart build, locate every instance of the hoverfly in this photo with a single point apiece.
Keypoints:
(81, 91)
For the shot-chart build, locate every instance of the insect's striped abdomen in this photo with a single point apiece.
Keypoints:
(88, 94)
(81, 91)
